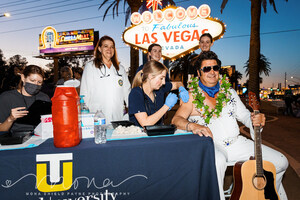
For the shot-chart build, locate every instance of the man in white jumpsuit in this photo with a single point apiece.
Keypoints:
(221, 124)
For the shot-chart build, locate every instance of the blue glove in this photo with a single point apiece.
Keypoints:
(183, 94)
(171, 100)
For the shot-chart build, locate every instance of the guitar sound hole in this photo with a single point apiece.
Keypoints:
(259, 182)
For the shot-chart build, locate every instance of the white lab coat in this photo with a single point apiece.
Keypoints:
(105, 89)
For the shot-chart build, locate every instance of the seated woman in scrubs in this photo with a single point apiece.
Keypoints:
(104, 82)
(14, 104)
(147, 105)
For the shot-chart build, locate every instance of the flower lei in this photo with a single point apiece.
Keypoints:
(223, 97)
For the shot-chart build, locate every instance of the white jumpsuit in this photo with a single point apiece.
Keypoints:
(230, 146)
(106, 89)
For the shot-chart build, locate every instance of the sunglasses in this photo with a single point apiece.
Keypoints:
(206, 69)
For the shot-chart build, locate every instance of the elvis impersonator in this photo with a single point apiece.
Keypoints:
(224, 108)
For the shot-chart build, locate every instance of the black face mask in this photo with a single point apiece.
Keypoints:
(32, 89)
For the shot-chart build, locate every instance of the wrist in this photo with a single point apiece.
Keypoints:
(181, 88)
(187, 127)
(10, 119)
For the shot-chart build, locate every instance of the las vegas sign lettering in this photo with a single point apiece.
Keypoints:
(176, 29)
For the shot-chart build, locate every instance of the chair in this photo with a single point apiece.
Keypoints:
(227, 193)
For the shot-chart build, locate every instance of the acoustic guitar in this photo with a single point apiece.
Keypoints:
(254, 179)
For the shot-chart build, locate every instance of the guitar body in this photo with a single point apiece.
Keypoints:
(248, 186)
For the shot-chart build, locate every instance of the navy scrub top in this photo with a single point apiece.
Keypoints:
(138, 102)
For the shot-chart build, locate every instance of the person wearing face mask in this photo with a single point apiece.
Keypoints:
(14, 104)
(105, 83)
(146, 99)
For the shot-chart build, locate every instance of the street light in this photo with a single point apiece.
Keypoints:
(295, 77)
(5, 15)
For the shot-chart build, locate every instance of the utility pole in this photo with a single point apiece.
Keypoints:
(285, 80)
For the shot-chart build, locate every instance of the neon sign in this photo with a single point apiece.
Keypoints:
(52, 41)
(176, 29)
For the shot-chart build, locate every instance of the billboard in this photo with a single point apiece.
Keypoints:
(53, 42)
(176, 29)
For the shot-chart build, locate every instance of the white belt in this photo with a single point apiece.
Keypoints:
(227, 141)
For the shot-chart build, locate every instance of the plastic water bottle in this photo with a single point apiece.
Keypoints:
(99, 127)
(83, 107)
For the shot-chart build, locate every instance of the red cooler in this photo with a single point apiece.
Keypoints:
(65, 118)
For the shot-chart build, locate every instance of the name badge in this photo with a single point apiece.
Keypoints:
(120, 82)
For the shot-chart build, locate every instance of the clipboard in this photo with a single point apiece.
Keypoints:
(37, 109)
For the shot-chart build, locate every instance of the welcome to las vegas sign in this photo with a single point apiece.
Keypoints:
(176, 29)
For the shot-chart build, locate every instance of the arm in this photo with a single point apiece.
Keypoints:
(137, 107)
(183, 93)
(15, 114)
(176, 85)
(180, 119)
(145, 120)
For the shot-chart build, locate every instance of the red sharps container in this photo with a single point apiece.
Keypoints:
(65, 118)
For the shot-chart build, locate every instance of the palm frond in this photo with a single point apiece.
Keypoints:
(224, 2)
(127, 15)
(272, 3)
(264, 5)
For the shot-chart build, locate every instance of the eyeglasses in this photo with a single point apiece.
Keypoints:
(206, 69)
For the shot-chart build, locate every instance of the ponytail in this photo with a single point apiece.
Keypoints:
(138, 79)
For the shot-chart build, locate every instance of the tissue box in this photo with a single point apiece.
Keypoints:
(87, 119)
(87, 125)
(87, 131)
(45, 128)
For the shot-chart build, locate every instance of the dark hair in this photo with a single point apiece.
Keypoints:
(65, 69)
(31, 69)
(78, 70)
(98, 62)
(206, 55)
(206, 35)
(153, 45)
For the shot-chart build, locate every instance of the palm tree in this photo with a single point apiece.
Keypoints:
(133, 6)
(263, 66)
(254, 54)
(182, 65)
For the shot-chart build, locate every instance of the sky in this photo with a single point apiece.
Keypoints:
(279, 31)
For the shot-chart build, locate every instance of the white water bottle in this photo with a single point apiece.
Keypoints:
(99, 127)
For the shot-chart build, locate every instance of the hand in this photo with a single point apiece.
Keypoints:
(200, 130)
(171, 100)
(258, 120)
(183, 94)
(17, 113)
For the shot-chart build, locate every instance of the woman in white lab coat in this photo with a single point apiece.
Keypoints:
(104, 82)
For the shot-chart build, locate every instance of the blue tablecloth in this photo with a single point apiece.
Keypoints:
(173, 167)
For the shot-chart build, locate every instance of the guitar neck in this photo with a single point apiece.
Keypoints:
(258, 153)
